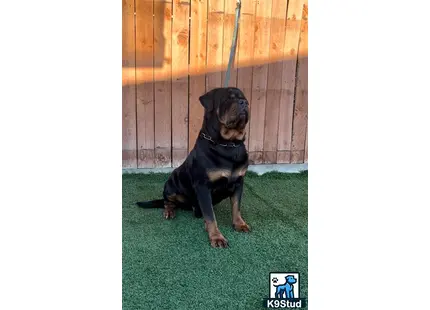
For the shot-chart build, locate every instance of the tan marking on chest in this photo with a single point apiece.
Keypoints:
(232, 134)
(217, 174)
(240, 172)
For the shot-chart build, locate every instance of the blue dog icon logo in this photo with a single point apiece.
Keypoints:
(285, 290)
(284, 285)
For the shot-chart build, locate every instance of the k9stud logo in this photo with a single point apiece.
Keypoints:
(284, 291)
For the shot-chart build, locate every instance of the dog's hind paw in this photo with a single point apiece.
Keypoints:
(169, 214)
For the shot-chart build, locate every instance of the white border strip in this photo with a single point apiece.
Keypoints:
(259, 169)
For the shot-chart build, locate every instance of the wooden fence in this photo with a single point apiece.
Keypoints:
(174, 51)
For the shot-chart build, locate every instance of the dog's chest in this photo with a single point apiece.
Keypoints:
(226, 165)
(226, 176)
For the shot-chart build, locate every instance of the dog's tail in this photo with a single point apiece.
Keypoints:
(159, 203)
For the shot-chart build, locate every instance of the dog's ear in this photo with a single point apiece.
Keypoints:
(207, 100)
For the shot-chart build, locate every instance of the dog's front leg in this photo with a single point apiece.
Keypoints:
(235, 200)
(204, 199)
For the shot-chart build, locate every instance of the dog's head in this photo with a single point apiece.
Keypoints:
(290, 279)
(226, 112)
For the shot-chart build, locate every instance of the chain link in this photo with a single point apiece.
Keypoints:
(204, 136)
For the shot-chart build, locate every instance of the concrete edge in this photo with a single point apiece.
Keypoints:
(259, 169)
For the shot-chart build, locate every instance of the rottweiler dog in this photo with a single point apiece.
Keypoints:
(215, 167)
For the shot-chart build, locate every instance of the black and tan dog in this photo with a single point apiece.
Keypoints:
(215, 168)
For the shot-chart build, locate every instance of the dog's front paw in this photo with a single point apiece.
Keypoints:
(241, 226)
(218, 241)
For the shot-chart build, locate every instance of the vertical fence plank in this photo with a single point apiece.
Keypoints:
(259, 80)
(163, 83)
(198, 40)
(215, 43)
(129, 142)
(245, 52)
(229, 17)
(274, 80)
(306, 145)
(289, 66)
(145, 99)
(180, 40)
(301, 105)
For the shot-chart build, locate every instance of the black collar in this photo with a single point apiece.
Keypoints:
(209, 138)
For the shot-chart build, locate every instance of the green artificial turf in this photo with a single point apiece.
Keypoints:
(169, 264)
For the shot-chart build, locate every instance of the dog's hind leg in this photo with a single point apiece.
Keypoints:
(285, 293)
(169, 210)
(170, 204)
